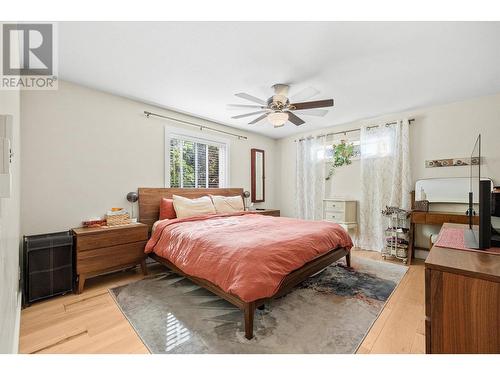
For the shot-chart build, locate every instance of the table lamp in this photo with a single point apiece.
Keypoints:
(246, 195)
(132, 197)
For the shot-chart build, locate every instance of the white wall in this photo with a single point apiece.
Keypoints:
(84, 150)
(439, 132)
(9, 237)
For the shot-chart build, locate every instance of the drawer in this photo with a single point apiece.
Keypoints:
(418, 217)
(111, 237)
(336, 217)
(337, 206)
(96, 260)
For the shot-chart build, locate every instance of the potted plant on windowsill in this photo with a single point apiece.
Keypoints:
(341, 155)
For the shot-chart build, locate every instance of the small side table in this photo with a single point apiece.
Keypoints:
(268, 212)
(107, 249)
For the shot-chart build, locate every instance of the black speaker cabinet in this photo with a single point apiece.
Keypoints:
(48, 266)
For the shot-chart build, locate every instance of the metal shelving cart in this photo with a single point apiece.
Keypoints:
(397, 234)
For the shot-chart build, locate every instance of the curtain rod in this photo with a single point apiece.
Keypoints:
(201, 127)
(352, 130)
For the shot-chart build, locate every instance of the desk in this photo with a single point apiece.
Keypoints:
(436, 218)
(462, 301)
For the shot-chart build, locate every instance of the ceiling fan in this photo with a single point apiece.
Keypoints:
(279, 109)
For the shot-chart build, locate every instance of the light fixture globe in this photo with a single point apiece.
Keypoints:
(278, 118)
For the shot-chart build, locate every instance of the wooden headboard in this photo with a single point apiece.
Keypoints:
(149, 199)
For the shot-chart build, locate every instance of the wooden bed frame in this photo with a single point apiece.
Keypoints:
(149, 208)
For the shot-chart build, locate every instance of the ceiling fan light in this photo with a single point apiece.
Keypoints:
(278, 118)
(280, 99)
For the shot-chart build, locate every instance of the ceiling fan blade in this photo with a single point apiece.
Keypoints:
(313, 104)
(312, 112)
(251, 98)
(258, 119)
(304, 94)
(295, 119)
(249, 114)
(235, 106)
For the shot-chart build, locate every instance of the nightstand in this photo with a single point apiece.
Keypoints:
(107, 249)
(268, 212)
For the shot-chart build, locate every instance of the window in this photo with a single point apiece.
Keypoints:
(196, 163)
(378, 143)
(356, 153)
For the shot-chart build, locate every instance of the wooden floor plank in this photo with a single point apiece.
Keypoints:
(403, 316)
(377, 327)
(92, 322)
(418, 345)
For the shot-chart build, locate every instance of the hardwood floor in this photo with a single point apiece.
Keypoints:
(400, 328)
(92, 323)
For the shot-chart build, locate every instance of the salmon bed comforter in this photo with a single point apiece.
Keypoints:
(244, 254)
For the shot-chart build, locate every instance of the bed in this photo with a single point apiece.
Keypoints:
(245, 258)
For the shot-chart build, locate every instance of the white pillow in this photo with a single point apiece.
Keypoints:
(225, 205)
(185, 207)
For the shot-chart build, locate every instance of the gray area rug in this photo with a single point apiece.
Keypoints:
(330, 312)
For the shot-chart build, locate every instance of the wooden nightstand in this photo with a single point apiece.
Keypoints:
(268, 212)
(102, 250)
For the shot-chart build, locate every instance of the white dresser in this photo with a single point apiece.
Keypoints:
(341, 211)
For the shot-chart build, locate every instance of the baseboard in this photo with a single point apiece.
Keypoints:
(17, 326)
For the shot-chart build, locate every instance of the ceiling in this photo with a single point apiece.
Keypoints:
(369, 68)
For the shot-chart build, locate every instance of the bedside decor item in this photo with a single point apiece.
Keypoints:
(246, 195)
(103, 250)
(94, 222)
(422, 205)
(458, 162)
(133, 197)
(342, 154)
(117, 216)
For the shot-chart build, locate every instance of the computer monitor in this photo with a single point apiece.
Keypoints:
(478, 236)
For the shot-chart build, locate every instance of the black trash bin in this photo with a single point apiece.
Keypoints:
(48, 266)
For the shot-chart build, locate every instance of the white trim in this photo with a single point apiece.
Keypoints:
(17, 325)
(210, 139)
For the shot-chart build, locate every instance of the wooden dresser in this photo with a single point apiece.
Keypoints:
(462, 301)
(102, 250)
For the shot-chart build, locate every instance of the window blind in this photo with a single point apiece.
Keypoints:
(196, 163)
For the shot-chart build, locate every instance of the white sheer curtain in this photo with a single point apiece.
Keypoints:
(385, 179)
(310, 172)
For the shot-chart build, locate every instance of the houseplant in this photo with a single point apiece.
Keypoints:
(341, 155)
